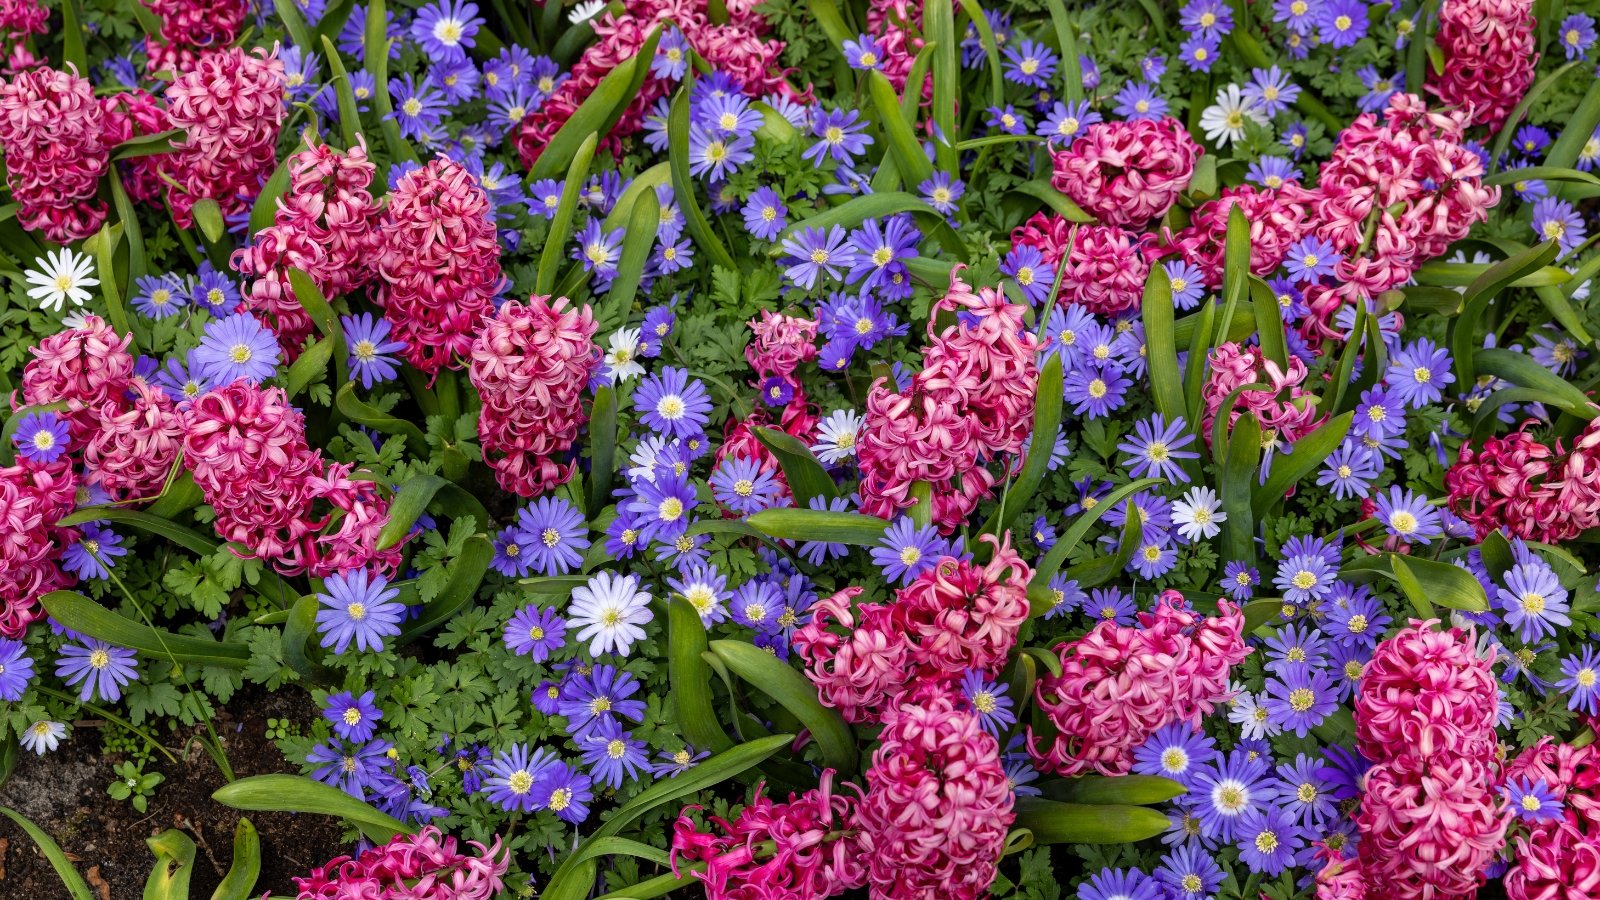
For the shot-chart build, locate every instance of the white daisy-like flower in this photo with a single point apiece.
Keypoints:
(75, 319)
(622, 360)
(1198, 514)
(1225, 120)
(608, 612)
(837, 436)
(42, 737)
(65, 276)
(644, 457)
(1251, 717)
(585, 11)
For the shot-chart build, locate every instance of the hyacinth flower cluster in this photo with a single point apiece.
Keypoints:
(57, 146)
(425, 866)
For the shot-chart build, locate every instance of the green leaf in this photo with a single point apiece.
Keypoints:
(1187, 329)
(1070, 823)
(1576, 130)
(1307, 454)
(416, 495)
(683, 185)
(1097, 571)
(77, 888)
(308, 369)
(599, 111)
(1058, 202)
(295, 24)
(1067, 41)
(602, 448)
(1235, 267)
(72, 49)
(1259, 612)
(554, 252)
(938, 20)
(1238, 477)
(295, 793)
(1136, 790)
(265, 208)
(1166, 384)
(991, 50)
(1046, 419)
(574, 879)
(1051, 563)
(1540, 173)
(1466, 329)
(360, 412)
(1496, 553)
(637, 241)
(1522, 369)
(806, 476)
(169, 880)
(79, 613)
(903, 145)
(343, 93)
(146, 145)
(327, 321)
(1426, 582)
(466, 573)
(1560, 308)
(819, 525)
(299, 632)
(246, 868)
(1502, 138)
(1412, 588)
(376, 54)
(690, 677)
(208, 215)
(921, 511)
(781, 682)
(1269, 321)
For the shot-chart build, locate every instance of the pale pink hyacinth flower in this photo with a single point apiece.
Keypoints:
(421, 866)
(1430, 828)
(531, 364)
(1118, 685)
(33, 498)
(1128, 172)
(230, 107)
(937, 806)
(1426, 693)
(438, 264)
(56, 146)
(862, 670)
(84, 368)
(132, 451)
(1489, 56)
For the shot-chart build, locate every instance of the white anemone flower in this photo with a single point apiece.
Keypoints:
(65, 276)
(1225, 120)
(608, 612)
(622, 360)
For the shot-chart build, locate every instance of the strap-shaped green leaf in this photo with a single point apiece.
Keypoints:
(795, 693)
(819, 525)
(295, 793)
(416, 495)
(79, 613)
(76, 887)
(805, 474)
(1053, 822)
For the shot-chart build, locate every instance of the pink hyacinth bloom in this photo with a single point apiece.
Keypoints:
(1427, 693)
(130, 114)
(1489, 56)
(1284, 408)
(937, 806)
(861, 671)
(1340, 879)
(189, 28)
(230, 107)
(85, 368)
(439, 261)
(56, 146)
(1277, 217)
(326, 226)
(421, 866)
(33, 497)
(1128, 172)
(1119, 685)
(816, 852)
(1430, 829)
(1513, 482)
(736, 47)
(1106, 267)
(961, 616)
(245, 445)
(1558, 859)
(972, 401)
(132, 451)
(20, 18)
(531, 365)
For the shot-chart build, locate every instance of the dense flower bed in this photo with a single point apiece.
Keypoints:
(791, 450)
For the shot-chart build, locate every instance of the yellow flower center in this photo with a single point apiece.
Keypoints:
(1301, 699)
(357, 611)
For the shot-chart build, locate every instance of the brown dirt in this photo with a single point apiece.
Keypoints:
(64, 793)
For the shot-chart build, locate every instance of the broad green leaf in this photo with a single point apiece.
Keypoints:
(683, 185)
(819, 525)
(416, 495)
(690, 677)
(169, 880)
(72, 47)
(1051, 563)
(1058, 202)
(327, 321)
(246, 867)
(806, 476)
(574, 879)
(79, 613)
(1540, 173)
(785, 684)
(1576, 130)
(361, 413)
(1184, 332)
(1496, 553)
(147, 144)
(1072, 823)
(295, 24)
(1269, 323)
(265, 207)
(599, 111)
(938, 20)
(466, 573)
(1238, 478)
(1067, 42)
(295, 793)
(1259, 612)
(921, 511)
(637, 241)
(1466, 335)
(1235, 267)
(1302, 459)
(1136, 790)
(1094, 572)
(343, 93)
(1160, 337)
(77, 888)
(376, 55)
(1523, 370)
(208, 215)
(309, 368)
(299, 636)
(1560, 308)
(602, 448)
(903, 146)
(555, 246)
(1046, 419)
(1502, 138)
